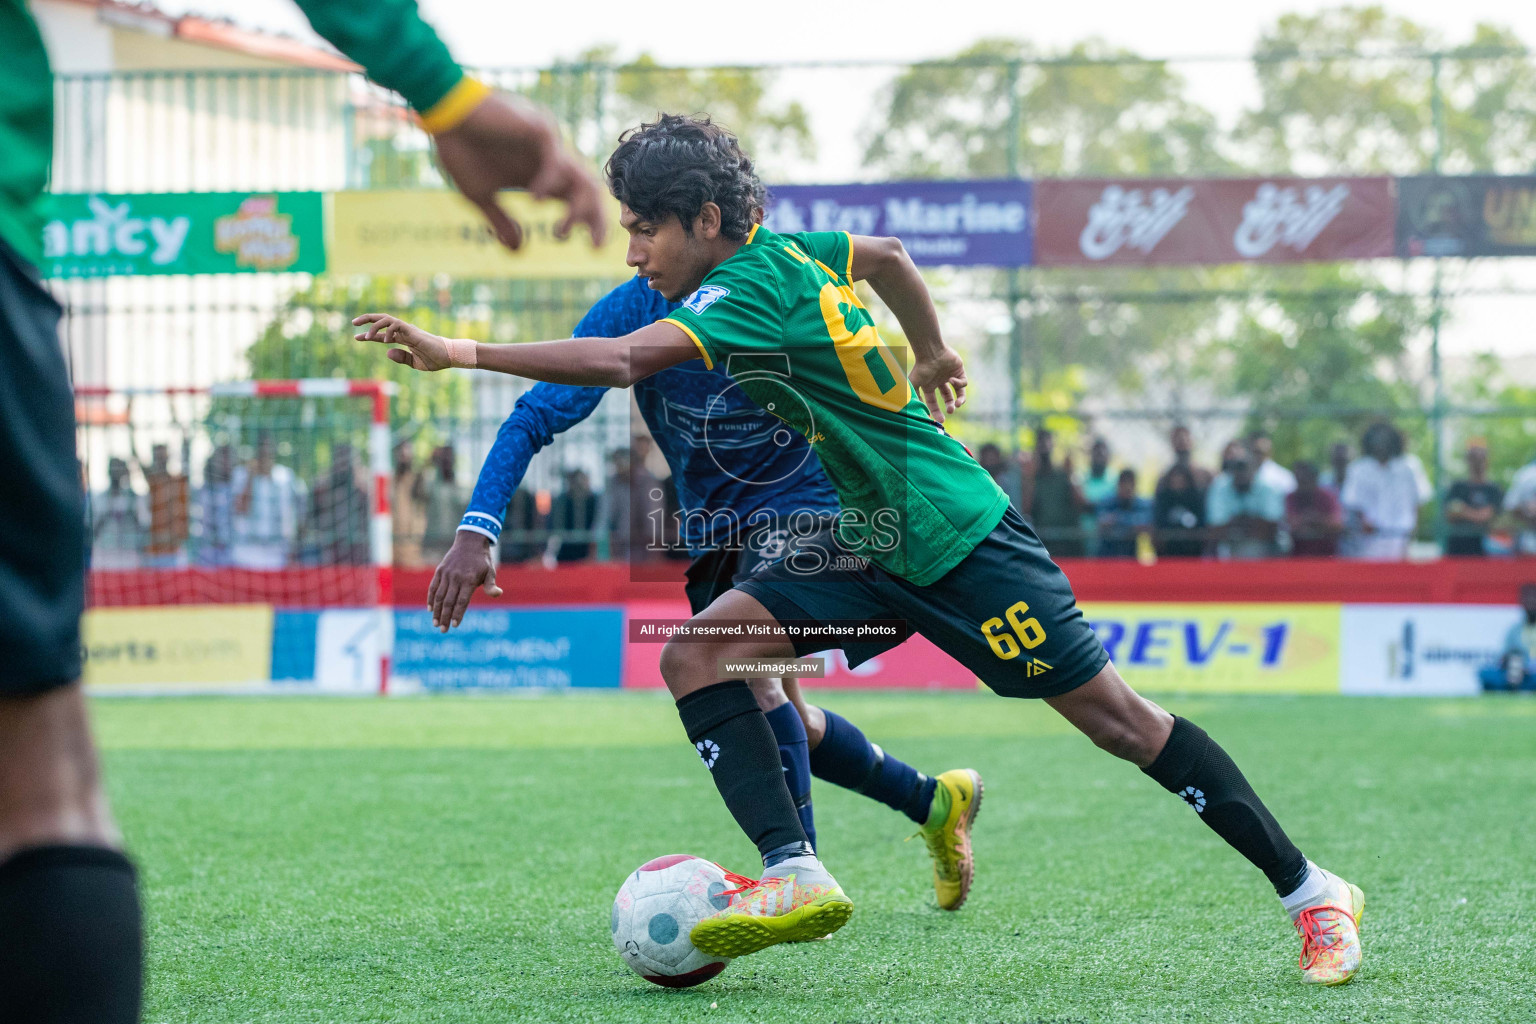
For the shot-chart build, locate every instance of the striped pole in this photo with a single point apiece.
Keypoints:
(382, 530)
(381, 523)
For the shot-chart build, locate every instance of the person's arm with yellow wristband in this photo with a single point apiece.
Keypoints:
(485, 141)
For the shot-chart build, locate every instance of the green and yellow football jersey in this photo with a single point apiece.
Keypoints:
(781, 317)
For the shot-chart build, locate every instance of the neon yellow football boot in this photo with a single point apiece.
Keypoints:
(796, 900)
(947, 834)
(1330, 934)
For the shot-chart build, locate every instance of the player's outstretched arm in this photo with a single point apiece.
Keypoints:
(590, 362)
(937, 370)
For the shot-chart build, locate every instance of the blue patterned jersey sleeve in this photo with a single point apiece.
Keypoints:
(548, 409)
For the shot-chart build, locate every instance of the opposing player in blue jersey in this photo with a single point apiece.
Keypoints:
(741, 481)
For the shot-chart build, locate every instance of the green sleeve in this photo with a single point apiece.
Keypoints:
(389, 39)
(833, 249)
(736, 310)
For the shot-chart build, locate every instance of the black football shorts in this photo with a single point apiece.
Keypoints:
(1006, 612)
(42, 517)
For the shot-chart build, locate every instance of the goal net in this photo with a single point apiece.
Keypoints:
(239, 536)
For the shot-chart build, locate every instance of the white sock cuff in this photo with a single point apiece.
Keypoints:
(1312, 888)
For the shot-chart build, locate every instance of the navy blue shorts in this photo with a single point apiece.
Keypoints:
(42, 514)
(1006, 612)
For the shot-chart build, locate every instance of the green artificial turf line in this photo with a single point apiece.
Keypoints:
(454, 859)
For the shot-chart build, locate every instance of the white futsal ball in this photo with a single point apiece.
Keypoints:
(656, 908)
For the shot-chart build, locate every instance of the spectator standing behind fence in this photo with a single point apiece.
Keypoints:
(521, 536)
(1313, 516)
(1471, 505)
(446, 501)
(1242, 512)
(1183, 444)
(1266, 469)
(408, 507)
(336, 527)
(572, 517)
(1520, 503)
(1383, 490)
(1003, 472)
(1098, 485)
(1052, 498)
(1338, 465)
(117, 527)
(216, 508)
(268, 499)
(169, 510)
(1178, 514)
(1124, 516)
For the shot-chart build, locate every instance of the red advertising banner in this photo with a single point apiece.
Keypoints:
(1212, 220)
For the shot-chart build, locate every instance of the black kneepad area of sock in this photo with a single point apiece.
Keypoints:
(704, 709)
(735, 743)
(71, 939)
(1195, 768)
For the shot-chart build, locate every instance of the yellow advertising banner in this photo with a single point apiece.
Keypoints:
(1222, 648)
(203, 644)
(424, 233)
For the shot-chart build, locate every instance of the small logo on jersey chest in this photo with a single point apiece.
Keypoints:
(705, 297)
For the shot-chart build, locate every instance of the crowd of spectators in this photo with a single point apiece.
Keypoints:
(255, 512)
(1250, 506)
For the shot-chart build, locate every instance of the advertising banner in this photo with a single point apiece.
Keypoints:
(546, 648)
(425, 233)
(1149, 221)
(1478, 215)
(100, 234)
(1222, 648)
(956, 223)
(1423, 649)
(205, 645)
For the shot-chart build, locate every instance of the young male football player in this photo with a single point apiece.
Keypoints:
(944, 549)
(70, 942)
(751, 494)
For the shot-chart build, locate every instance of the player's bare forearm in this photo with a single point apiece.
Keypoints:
(884, 263)
(936, 370)
(585, 362)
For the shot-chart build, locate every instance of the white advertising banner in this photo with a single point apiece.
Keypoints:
(1422, 649)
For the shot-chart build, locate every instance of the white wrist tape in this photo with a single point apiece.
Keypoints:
(461, 353)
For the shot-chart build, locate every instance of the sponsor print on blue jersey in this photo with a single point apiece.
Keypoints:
(729, 458)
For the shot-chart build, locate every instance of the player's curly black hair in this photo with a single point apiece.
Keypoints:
(677, 164)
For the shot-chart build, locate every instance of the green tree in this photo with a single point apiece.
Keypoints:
(1084, 115)
(1095, 111)
(1321, 110)
(596, 98)
(1511, 434)
(312, 337)
(1321, 336)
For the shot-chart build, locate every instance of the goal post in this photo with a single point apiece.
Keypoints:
(230, 527)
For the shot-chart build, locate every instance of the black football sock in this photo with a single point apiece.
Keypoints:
(789, 732)
(71, 946)
(735, 743)
(1193, 766)
(846, 758)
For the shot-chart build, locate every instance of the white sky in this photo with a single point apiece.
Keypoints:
(518, 33)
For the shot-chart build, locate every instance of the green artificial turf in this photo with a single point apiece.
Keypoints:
(454, 859)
